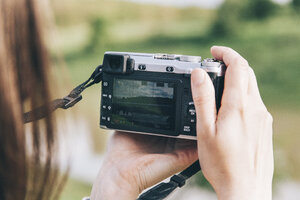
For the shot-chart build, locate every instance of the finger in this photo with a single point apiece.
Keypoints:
(165, 165)
(204, 99)
(236, 77)
(228, 56)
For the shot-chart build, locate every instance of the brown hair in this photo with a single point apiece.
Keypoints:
(27, 153)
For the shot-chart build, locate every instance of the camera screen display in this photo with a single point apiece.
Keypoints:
(143, 104)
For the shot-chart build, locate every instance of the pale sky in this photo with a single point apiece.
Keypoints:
(187, 3)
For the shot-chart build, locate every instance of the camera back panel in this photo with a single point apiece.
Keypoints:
(152, 98)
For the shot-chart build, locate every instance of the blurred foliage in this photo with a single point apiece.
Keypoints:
(75, 189)
(97, 36)
(267, 36)
(296, 4)
(228, 20)
(233, 13)
(259, 9)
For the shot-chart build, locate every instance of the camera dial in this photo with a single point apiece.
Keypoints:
(182, 58)
(194, 59)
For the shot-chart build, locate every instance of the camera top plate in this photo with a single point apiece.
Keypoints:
(179, 64)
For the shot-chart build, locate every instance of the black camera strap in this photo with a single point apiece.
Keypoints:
(159, 191)
(162, 190)
(68, 101)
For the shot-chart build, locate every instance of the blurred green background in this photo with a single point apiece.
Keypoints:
(267, 34)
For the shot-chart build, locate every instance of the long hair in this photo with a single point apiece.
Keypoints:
(27, 153)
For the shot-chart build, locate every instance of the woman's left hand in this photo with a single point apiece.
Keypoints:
(135, 162)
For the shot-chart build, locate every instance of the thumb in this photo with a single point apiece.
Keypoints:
(204, 99)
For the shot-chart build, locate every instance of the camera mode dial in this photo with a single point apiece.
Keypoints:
(210, 62)
(194, 59)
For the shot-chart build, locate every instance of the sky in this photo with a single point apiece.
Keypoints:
(187, 3)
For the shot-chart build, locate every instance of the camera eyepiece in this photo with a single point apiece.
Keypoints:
(118, 64)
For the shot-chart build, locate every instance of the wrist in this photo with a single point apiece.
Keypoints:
(113, 184)
(111, 190)
(250, 192)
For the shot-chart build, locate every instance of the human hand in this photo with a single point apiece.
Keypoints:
(234, 146)
(134, 162)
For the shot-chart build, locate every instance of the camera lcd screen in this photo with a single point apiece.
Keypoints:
(143, 104)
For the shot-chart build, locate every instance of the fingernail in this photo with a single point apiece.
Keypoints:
(215, 46)
(198, 77)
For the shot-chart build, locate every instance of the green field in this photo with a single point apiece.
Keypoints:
(86, 29)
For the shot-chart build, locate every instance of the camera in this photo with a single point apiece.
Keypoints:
(151, 93)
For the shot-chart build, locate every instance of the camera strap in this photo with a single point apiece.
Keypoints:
(162, 190)
(68, 101)
(158, 192)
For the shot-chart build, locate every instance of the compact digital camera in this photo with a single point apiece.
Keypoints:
(151, 93)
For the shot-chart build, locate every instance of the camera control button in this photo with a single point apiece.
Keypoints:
(186, 129)
(104, 107)
(108, 119)
(105, 84)
(194, 59)
(169, 69)
(109, 107)
(142, 67)
(105, 96)
(193, 120)
(103, 118)
(191, 103)
(192, 112)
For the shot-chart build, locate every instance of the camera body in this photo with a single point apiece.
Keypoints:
(151, 93)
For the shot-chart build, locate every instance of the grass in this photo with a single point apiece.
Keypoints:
(271, 46)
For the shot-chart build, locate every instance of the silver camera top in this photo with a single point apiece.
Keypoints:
(172, 63)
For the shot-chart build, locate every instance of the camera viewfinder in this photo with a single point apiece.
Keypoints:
(118, 64)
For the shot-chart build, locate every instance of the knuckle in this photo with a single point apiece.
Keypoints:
(236, 58)
(228, 50)
(244, 62)
(242, 110)
(252, 74)
(240, 62)
(237, 101)
(202, 99)
(264, 115)
(251, 71)
(269, 117)
(235, 61)
(240, 107)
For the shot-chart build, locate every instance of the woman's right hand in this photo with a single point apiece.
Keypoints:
(234, 146)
